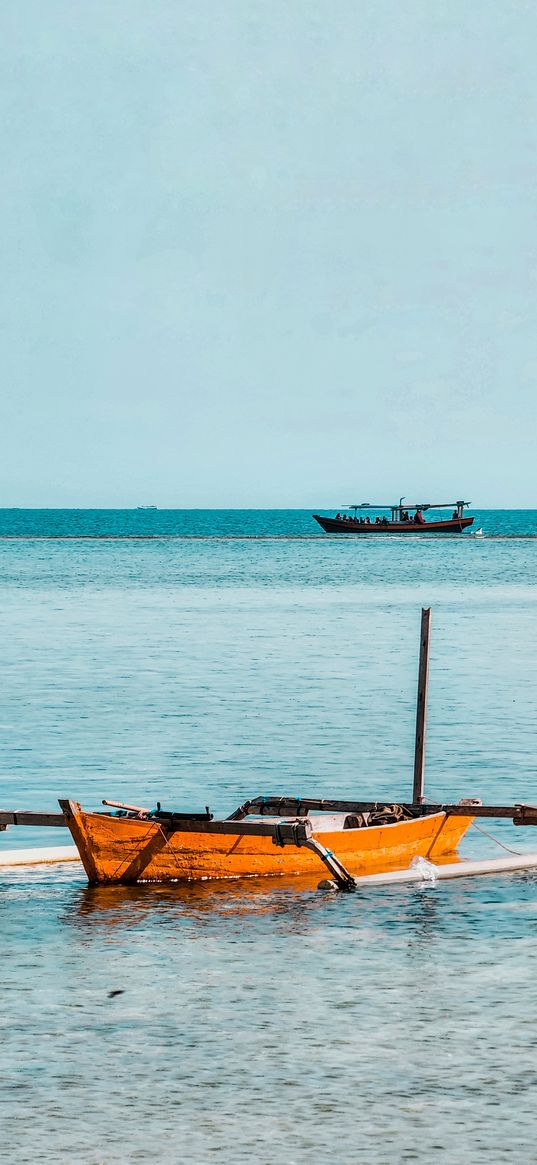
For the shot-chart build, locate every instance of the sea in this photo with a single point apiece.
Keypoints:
(203, 657)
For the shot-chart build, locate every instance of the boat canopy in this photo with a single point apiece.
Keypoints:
(406, 506)
(397, 508)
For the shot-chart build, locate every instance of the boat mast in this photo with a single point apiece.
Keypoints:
(418, 792)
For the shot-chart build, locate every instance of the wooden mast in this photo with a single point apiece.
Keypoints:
(418, 792)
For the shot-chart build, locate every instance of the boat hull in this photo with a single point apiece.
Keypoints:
(351, 526)
(122, 850)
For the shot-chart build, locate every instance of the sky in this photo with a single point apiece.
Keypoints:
(268, 254)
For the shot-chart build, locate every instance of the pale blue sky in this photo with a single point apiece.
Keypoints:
(268, 254)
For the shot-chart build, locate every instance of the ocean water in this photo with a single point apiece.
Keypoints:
(203, 657)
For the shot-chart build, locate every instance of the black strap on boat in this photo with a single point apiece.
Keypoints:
(341, 876)
(172, 820)
(292, 833)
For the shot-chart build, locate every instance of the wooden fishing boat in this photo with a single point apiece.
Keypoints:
(404, 519)
(266, 836)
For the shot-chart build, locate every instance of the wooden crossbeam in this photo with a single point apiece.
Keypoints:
(299, 807)
(520, 813)
(22, 817)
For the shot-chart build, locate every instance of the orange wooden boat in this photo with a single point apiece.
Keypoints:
(265, 836)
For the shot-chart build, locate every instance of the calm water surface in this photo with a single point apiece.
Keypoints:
(261, 1021)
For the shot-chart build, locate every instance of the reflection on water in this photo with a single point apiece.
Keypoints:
(262, 1019)
(290, 905)
(129, 905)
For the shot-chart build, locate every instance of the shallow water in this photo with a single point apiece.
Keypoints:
(261, 1020)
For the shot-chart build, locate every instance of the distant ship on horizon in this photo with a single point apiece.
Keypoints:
(147, 507)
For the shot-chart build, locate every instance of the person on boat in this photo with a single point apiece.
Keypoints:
(455, 514)
(419, 519)
(338, 517)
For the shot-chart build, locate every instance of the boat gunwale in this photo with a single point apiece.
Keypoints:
(262, 828)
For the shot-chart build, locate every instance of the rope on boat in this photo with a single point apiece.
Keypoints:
(131, 852)
(166, 837)
(485, 833)
(475, 801)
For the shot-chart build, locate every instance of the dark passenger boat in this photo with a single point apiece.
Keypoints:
(404, 519)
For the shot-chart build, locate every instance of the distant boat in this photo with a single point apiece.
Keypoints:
(404, 519)
(147, 507)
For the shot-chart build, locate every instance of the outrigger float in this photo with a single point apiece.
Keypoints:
(356, 841)
(404, 519)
